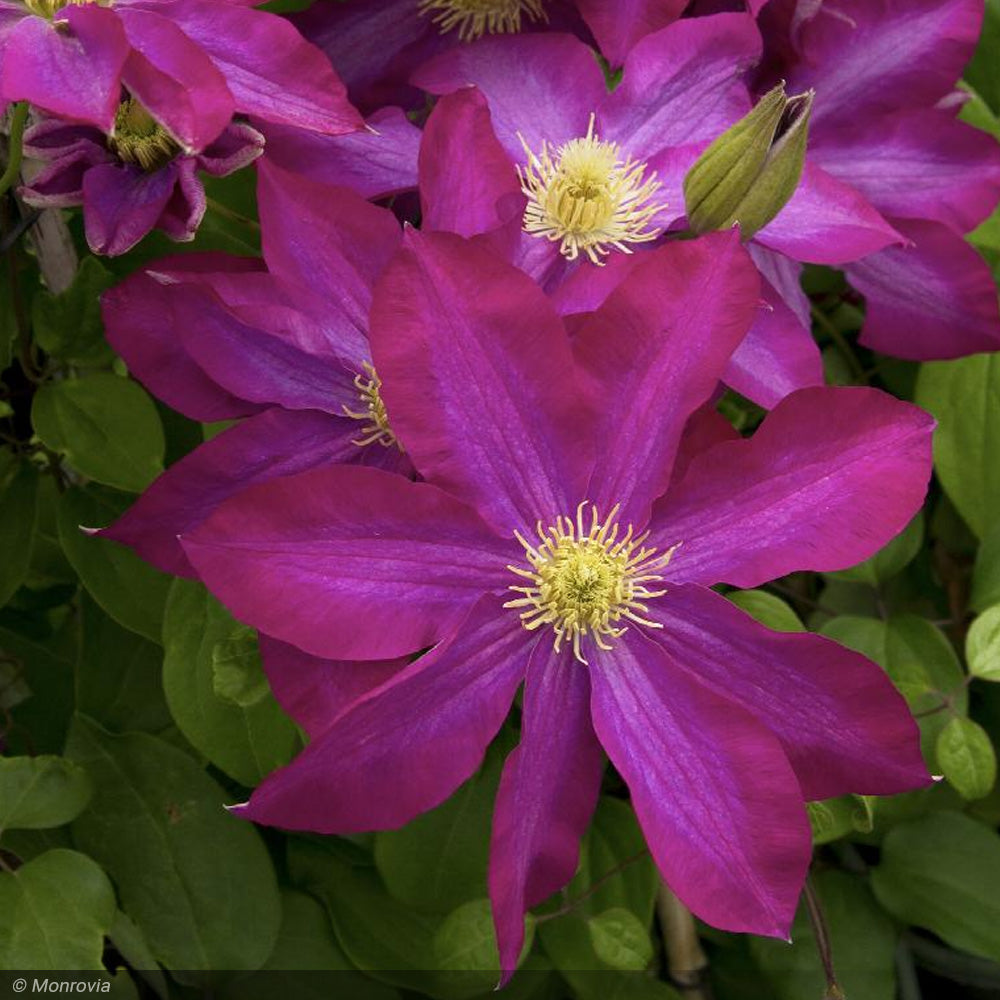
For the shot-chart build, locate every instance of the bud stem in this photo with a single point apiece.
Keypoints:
(822, 935)
(686, 962)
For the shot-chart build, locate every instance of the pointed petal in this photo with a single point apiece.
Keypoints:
(122, 204)
(682, 84)
(653, 353)
(348, 562)
(468, 184)
(140, 325)
(712, 788)
(547, 795)
(827, 222)
(706, 427)
(618, 28)
(272, 444)
(407, 745)
(478, 377)
(841, 721)
(376, 162)
(524, 78)
(271, 70)
(829, 477)
(314, 691)
(917, 164)
(930, 301)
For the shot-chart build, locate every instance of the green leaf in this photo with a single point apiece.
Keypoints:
(862, 937)
(466, 941)
(237, 672)
(187, 872)
(986, 573)
(889, 560)
(128, 589)
(983, 72)
(982, 645)
(964, 396)
(118, 677)
(438, 861)
(768, 609)
(54, 913)
(106, 426)
(69, 326)
(18, 489)
(41, 792)
(131, 945)
(621, 940)
(832, 819)
(966, 756)
(942, 872)
(245, 742)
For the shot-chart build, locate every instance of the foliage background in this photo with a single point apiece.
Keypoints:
(133, 708)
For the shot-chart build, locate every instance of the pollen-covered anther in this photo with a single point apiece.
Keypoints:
(587, 198)
(583, 579)
(372, 412)
(138, 138)
(475, 18)
(49, 8)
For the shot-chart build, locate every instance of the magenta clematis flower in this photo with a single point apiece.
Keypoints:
(554, 543)
(133, 182)
(192, 63)
(884, 122)
(285, 348)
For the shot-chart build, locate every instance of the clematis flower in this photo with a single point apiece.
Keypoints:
(883, 121)
(280, 345)
(191, 63)
(137, 180)
(552, 544)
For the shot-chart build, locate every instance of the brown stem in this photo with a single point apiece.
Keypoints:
(572, 904)
(822, 935)
(686, 962)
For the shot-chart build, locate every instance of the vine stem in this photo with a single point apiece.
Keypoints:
(686, 962)
(822, 934)
(18, 119)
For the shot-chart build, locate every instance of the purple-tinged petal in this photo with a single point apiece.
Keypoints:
(328, 240)
(776, 357)
(60, 184)
(271, 70)
(620, 26)
(74, 75)
(122, 203)
(468, 184)
(52, 138)
(140, 325)
(682, 84)
(919, 164)
(271, 444)
(587, 288)
(829, 478)
(712, 788)
(933, 300)
(174, 79)
(547, 795)
(827, 222)
(314, 691)
(785, 277)
(348, 562)
(841, 721)
(653, 353)
(406, 746)
(706, 427)
(183, 213)
(479, 381)
(866, 59)
(543, 86)
(237, 147)
(376, 162)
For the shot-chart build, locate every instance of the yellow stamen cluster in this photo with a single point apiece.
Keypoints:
(585, 197)
(49, 8)
(583, 579)
(140, 139)
(373, 410)
(474, 18)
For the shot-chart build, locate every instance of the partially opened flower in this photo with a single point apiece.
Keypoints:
(552, 544)
(191, 63)
(286, 348)
(134, 181)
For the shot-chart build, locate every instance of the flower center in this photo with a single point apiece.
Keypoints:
(138, 138)
(474, 18)
(49, 8)
(372, 411)
(584, 580)
(587, 198)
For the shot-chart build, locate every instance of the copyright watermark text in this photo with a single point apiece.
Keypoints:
(36, 985)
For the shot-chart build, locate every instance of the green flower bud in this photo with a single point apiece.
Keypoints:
(750, 171)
